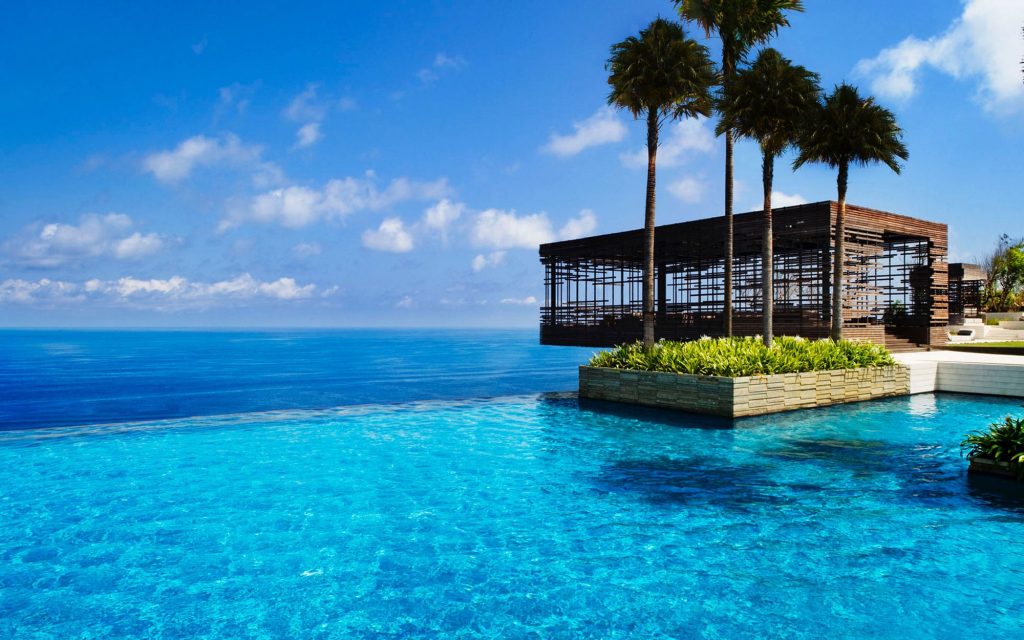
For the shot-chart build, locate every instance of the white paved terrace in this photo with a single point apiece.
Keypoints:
(961, 372)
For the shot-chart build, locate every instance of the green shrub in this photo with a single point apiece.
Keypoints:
(735, 357)
(1003, 442)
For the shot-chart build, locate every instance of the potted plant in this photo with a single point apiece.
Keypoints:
(998, 451)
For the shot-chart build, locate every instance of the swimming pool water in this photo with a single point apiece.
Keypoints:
(520, 517)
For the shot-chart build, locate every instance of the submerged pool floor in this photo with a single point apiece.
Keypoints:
(525, 517)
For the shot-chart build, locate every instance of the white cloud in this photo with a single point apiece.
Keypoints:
(285, 289)
(685, 137)
(601, 128)
(308, 135)
(505, 230)
(156, 293)
(523, 301)
(582, 225)
(499, 229)
(56, 244)
(43, 291)
(441, 216)
(199, 151)
(983, 44)
(236, 96)
(442, 61)
(200, 46)
(405, 302)
(137, 246)
(305, 107)
(307, 249)
(688, 189)
(492, 259)
(298, 206)
(779, 200)
(391, 236)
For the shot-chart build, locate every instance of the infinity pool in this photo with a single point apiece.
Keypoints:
(522, 517)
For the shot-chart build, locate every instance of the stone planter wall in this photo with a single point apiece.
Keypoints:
(991, 467)
(746, 396)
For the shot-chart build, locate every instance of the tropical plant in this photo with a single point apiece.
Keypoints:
(767, 103)
(847, 129)
(733, 357)
(740, 25)
(1003, 442)
(659, 75)
(1005, 267)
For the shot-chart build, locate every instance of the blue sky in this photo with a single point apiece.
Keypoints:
(396, 164)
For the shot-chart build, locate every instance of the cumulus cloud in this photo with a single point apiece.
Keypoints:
(601, 128)
(688, 189)
(521, 301)
(582, 225)
(308, 135)
(40, 292)
(137, 246)
(483, 261)
(299, 206)
(390, 236)
(780, 199)
(499, 229)
(682, 140)
(157, 293)
(505, 230)
(57, 244)
(176, 164)
(983, 44)
(441, 216)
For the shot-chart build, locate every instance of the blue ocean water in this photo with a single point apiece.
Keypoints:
(53, 378)
(532, 516)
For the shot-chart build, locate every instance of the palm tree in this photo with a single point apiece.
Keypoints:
(848, 129)
(767, 103)
(660, 75)
(740, 24)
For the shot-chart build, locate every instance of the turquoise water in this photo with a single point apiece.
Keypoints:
(521, 517)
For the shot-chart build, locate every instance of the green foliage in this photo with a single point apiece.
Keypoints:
(768, 102)
(661, 72)
(895, 313)
(1004, 290)
(735, 357)
(1003, 442)
(848, 129)
(739, 24)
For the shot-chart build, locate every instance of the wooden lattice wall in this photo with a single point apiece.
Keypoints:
(593, 285)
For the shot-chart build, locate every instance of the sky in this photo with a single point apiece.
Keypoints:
(310, 164)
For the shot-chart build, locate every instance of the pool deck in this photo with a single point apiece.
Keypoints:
(962, 372)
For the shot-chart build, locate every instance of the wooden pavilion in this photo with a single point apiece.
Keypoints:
(895, 287)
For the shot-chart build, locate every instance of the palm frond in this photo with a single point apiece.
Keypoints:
(661, 71)
(847, 128)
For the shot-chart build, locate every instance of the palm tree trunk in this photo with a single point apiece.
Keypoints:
(648, 295)
(728, 69)
(727, 303)
(840, 256)
(767, 267)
